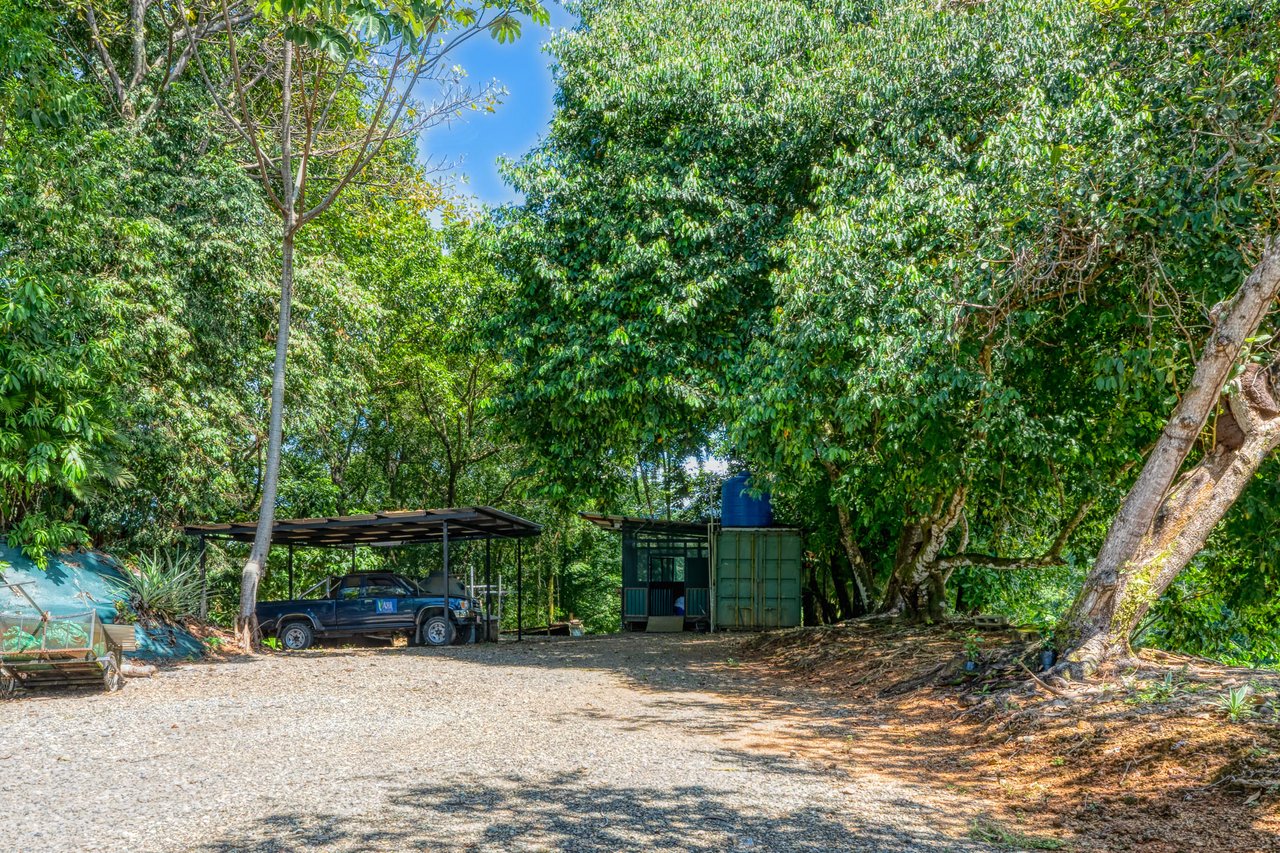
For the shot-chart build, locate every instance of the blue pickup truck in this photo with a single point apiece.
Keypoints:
(377, 603)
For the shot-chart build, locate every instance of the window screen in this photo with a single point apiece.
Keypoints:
(665, 569)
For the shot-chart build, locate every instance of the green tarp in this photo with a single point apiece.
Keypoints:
(79, 581)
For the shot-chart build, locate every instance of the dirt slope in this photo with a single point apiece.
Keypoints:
(1143, 759)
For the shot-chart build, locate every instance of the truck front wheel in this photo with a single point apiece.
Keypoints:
(297, 636)
(437, 631)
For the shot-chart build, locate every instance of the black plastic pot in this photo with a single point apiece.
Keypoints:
(1047, 657)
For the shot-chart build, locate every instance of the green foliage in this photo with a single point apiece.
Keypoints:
(680, 149)
(1155, 692)
(163, 584)
(62, 336)
(972, 646)
(125, 615)
(1237, 703)
(1226, 605)
(130, 260)
(346, 30)
(884, 253)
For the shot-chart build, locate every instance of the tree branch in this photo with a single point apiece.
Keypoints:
(1051, 557)
(105, 56)
(137, 22)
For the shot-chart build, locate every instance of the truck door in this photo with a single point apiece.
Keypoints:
(387, 606)
(350, 608)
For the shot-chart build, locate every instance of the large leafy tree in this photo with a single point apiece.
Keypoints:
(1204, 74)
(964, 319)
(929, 315)
(129, 315)
(681, 147)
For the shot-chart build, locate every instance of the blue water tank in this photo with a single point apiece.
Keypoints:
(739, 509)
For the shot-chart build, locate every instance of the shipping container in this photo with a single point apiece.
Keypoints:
(757, 578)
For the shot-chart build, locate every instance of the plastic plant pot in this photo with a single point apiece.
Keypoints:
(970, 665)
(1047, 657)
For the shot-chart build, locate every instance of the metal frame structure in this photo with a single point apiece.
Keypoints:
(385, 530)
(89, 656)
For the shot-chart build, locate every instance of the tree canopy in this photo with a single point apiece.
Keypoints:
(981, 244)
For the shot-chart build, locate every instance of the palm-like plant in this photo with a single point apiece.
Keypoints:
(163, 584)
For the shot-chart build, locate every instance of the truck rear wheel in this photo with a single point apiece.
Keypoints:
(437, 631)
(297, 636)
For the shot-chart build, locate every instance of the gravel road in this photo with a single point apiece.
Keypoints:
(628, 742)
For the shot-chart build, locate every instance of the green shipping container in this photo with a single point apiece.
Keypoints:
(757, 578)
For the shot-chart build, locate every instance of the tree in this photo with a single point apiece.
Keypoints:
(1206, 73)
(1167, 518)
(113, 261)
(315, 92)
(681, 147)
(992, 205)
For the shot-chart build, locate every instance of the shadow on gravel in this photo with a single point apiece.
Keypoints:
(568, 813)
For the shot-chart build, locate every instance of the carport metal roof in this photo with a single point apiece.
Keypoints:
(397, 527)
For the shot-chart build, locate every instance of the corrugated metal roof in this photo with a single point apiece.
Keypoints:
(395, 527)
(627, 523)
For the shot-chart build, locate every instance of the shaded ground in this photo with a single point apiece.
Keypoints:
(632, 742)
(1144, 759)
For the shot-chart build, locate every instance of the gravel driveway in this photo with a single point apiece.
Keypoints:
(623, 742)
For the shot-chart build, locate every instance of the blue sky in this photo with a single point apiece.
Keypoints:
(477, 141)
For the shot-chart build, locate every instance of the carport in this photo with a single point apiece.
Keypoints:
(386, 530)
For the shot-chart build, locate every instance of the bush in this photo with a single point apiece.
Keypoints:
(163, 585)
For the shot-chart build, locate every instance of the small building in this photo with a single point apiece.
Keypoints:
(755, 583)
(665, 568)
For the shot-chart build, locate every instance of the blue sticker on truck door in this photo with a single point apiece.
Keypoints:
(385, 605)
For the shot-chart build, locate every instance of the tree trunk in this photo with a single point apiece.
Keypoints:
(917, 585)
(1161, 525)
(830, 615)
(247, 621)
(858, 571)
(809, 599)
(841, 585)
